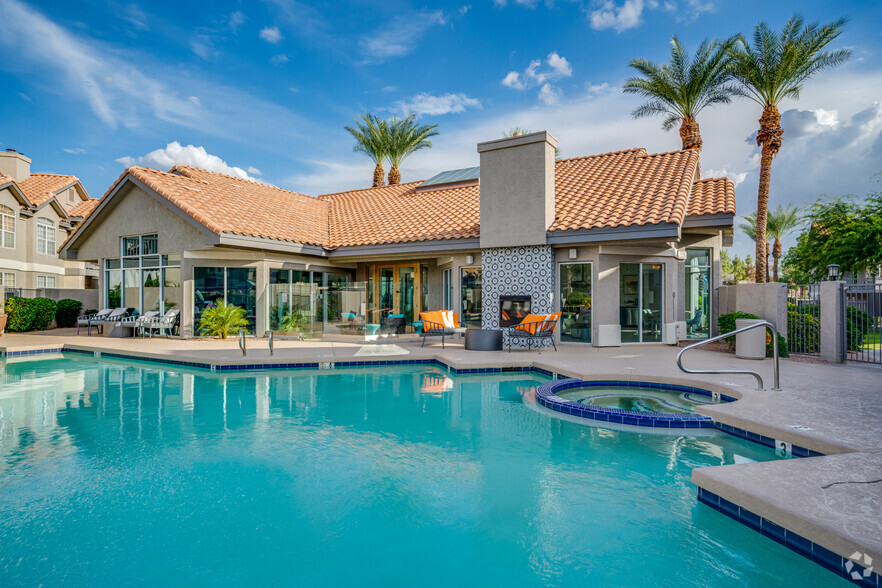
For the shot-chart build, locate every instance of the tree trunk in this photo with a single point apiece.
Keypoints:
(379, 176)
(690, 133)
(769, 137)
(394, 176)
(777, 250)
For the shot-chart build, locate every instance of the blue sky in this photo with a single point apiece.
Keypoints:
(266, 87)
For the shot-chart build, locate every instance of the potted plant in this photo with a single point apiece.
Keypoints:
(292, 324)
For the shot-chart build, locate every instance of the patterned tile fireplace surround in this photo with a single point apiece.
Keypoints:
(516, 271)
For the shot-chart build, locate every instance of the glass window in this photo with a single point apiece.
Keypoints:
(242, 292)
(641, 288)
(132, 289)
(113, 263)
(447, 289)
(171, 259)
(698, 295)
(149, 245)
(131, 246)
(208, 286)
(7, 227)
(470, 286)
(45, 281)
(45, 236)
(152, 261)
(8, 280)
(575, 298)
(152, 289)
(113, 292)
(171, 288)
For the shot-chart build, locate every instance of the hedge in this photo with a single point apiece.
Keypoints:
(29, 314)
(857, 322)
(67, 312)
(805, 332)
(726, 324)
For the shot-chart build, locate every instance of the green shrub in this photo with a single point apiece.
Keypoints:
(857, 323)
(222, 319)
(21, 314)
(67, 312)
(44, 313)
(726, 324)
(805, 332)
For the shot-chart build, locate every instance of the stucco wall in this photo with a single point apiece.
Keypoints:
(134, 212)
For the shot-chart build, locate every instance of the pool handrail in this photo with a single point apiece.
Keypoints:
(759, 379)
(242, 341)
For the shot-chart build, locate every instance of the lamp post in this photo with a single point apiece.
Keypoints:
(833, 272)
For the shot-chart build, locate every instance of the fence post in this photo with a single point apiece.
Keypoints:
(832, 321)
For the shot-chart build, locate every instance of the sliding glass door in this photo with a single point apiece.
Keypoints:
(641, 292)
(575, 302)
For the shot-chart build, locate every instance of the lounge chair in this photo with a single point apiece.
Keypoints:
(164, 324)
(144, 319)
(439, 323)
(535, 327)
(86, 319)
(113, 316)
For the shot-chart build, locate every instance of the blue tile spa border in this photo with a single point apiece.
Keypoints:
(546, 395)
(32, 352)
(841, 566)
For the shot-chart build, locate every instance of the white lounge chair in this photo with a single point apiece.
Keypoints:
(86, 319)
(164, 324)
(145, 319)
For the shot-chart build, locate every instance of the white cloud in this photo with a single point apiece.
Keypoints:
(559, 65)
(598, 88)
(195, 100)
(400, 37)
(270, 35)
(736, 178)
(513, 80)
(549, 95)
(279, 59)
(437, 105)
(613, 16)
(254, 171)
(174, 154)
(74, 151)
(236, 20)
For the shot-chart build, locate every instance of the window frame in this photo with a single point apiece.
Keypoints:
(7, 235)
(45, 227)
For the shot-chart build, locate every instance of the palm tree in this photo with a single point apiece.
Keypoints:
(748, 227)
(404, 138)
(780, 222)
(774, 67)
(684, 86)
(371, 138)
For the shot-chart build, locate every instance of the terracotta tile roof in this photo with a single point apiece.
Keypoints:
(84, 208)
(712, 196)
(398, 214)
(612, 189)
(623, 188)
(225, 204)
(4, 179)
(41, 187)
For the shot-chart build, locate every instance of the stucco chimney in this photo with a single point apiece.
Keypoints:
(15, 165)
(517, 190)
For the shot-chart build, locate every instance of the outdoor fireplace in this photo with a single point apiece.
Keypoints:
(513, 310)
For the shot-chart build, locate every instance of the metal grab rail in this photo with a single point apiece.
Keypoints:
(759, 379)
(242, 341)
(271, 342)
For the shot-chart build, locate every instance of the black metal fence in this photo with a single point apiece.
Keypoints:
(804, 319)
(863, 322)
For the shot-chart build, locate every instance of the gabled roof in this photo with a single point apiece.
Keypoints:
(8, 182)
(622, 188)
(224, 204)
(41, 187)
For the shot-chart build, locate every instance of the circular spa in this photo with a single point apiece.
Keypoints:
(644, 404)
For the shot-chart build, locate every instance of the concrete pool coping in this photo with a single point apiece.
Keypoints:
(835, 410)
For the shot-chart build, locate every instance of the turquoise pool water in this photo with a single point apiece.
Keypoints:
(122, 473)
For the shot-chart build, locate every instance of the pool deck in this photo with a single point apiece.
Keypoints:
(834, 501)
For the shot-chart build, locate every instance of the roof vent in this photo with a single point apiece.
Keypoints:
(458, 178)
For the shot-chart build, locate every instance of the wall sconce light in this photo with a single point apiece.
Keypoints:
(470, 259)
(574, 253)
(833, 272)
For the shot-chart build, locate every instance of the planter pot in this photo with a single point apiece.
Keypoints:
(752, 344)
(3, 318)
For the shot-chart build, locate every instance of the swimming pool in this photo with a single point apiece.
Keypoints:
(117, 473)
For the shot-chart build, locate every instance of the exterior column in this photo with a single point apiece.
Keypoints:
(832, 321)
